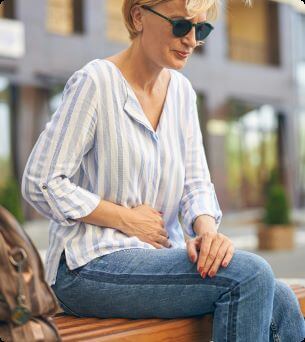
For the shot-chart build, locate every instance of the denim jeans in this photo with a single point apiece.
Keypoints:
(245, 299)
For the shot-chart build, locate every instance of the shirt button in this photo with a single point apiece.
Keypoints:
(44, 187)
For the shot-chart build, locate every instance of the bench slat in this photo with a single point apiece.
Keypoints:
(104, 326)
(197, 328)
(85, 321)
(180, 330)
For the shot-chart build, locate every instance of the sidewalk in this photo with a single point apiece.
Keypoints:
(239, 227)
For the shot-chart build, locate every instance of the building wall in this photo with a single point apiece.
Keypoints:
(51, 57)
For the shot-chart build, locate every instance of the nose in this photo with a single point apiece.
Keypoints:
(190, 38)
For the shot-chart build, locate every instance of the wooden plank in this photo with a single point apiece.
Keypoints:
(180, 330)
(109, 327)
(197, 328)
(299, 291)
(107, 330)
(86, 321)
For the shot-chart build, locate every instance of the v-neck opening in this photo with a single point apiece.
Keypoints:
(132, 93)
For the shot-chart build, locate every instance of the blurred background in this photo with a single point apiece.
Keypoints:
(250, 80)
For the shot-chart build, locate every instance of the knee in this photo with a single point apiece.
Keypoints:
(255, 270)
(285, 300)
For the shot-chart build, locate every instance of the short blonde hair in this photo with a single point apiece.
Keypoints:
(193, 8)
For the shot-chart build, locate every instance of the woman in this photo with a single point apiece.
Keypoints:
(121, 157)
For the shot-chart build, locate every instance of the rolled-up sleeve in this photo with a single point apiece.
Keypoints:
(58, 154)
(199, 196)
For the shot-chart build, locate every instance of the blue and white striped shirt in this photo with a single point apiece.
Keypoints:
(99, 144)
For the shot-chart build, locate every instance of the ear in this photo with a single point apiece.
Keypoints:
(137, 16)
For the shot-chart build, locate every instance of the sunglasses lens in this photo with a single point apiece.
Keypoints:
(182, 27)
(203, 30)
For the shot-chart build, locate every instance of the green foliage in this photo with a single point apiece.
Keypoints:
(10, 198)
(277, 207)
(274, 179)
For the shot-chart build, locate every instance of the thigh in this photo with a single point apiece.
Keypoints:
(144, 283)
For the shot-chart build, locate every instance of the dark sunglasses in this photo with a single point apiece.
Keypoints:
(182, 27)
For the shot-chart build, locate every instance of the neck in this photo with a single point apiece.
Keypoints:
(139, 70)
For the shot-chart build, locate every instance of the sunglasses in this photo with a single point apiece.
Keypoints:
(182, 27)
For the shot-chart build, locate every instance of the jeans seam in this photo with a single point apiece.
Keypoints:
(233, 309)
(141, 279)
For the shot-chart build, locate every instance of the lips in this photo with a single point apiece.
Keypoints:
(182, 53)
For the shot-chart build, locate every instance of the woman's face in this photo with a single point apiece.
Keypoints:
(157, 39)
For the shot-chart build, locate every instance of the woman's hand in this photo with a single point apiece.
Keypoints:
(147, 224)
(215, 250)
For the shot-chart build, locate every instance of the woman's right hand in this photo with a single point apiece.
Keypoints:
(147, 224)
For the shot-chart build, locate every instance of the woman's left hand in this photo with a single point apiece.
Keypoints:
(215, 250)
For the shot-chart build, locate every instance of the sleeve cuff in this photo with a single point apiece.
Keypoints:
(199, 207)
(68, 202)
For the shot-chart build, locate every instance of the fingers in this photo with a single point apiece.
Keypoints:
(220, 255)
(228, 256)
(204, 253)
(164, 233)
(191, 246)
(164, 241)
(216, 250)
(157, 245)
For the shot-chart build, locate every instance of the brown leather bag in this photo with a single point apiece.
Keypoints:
(26, 300)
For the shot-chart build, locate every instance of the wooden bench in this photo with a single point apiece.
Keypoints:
(197, 328)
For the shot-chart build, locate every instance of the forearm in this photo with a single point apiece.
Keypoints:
(204, 223)
(108, 214)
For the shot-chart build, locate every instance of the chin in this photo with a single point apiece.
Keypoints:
(177, 64)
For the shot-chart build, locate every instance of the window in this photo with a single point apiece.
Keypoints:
(202, 115)
(302, 157)
(253, 32)
(55, 96)
(115, 28)
(251, 151)
(7, 9)
(302, 35)
(5, 137)
(65, 17)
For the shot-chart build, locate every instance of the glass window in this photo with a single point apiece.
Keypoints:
(7, 9)
(55, 97)
(202, 114)
(251, 152)
(253, 32)
(115, 28)
(5, 148)
(302, 158)
(64, 17)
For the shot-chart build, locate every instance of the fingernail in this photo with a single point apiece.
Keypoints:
(203, 274)
(211, 274)
(225, 264)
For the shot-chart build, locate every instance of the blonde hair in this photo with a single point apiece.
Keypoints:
(193, 8)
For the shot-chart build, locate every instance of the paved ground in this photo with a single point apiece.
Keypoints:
(237, 226)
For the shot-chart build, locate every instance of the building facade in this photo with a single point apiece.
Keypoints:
(249, 77)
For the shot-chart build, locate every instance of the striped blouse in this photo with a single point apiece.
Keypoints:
(99, 144)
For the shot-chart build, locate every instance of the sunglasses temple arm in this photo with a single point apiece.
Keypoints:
(159, 14)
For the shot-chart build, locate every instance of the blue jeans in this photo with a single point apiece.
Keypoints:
(247, 302)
